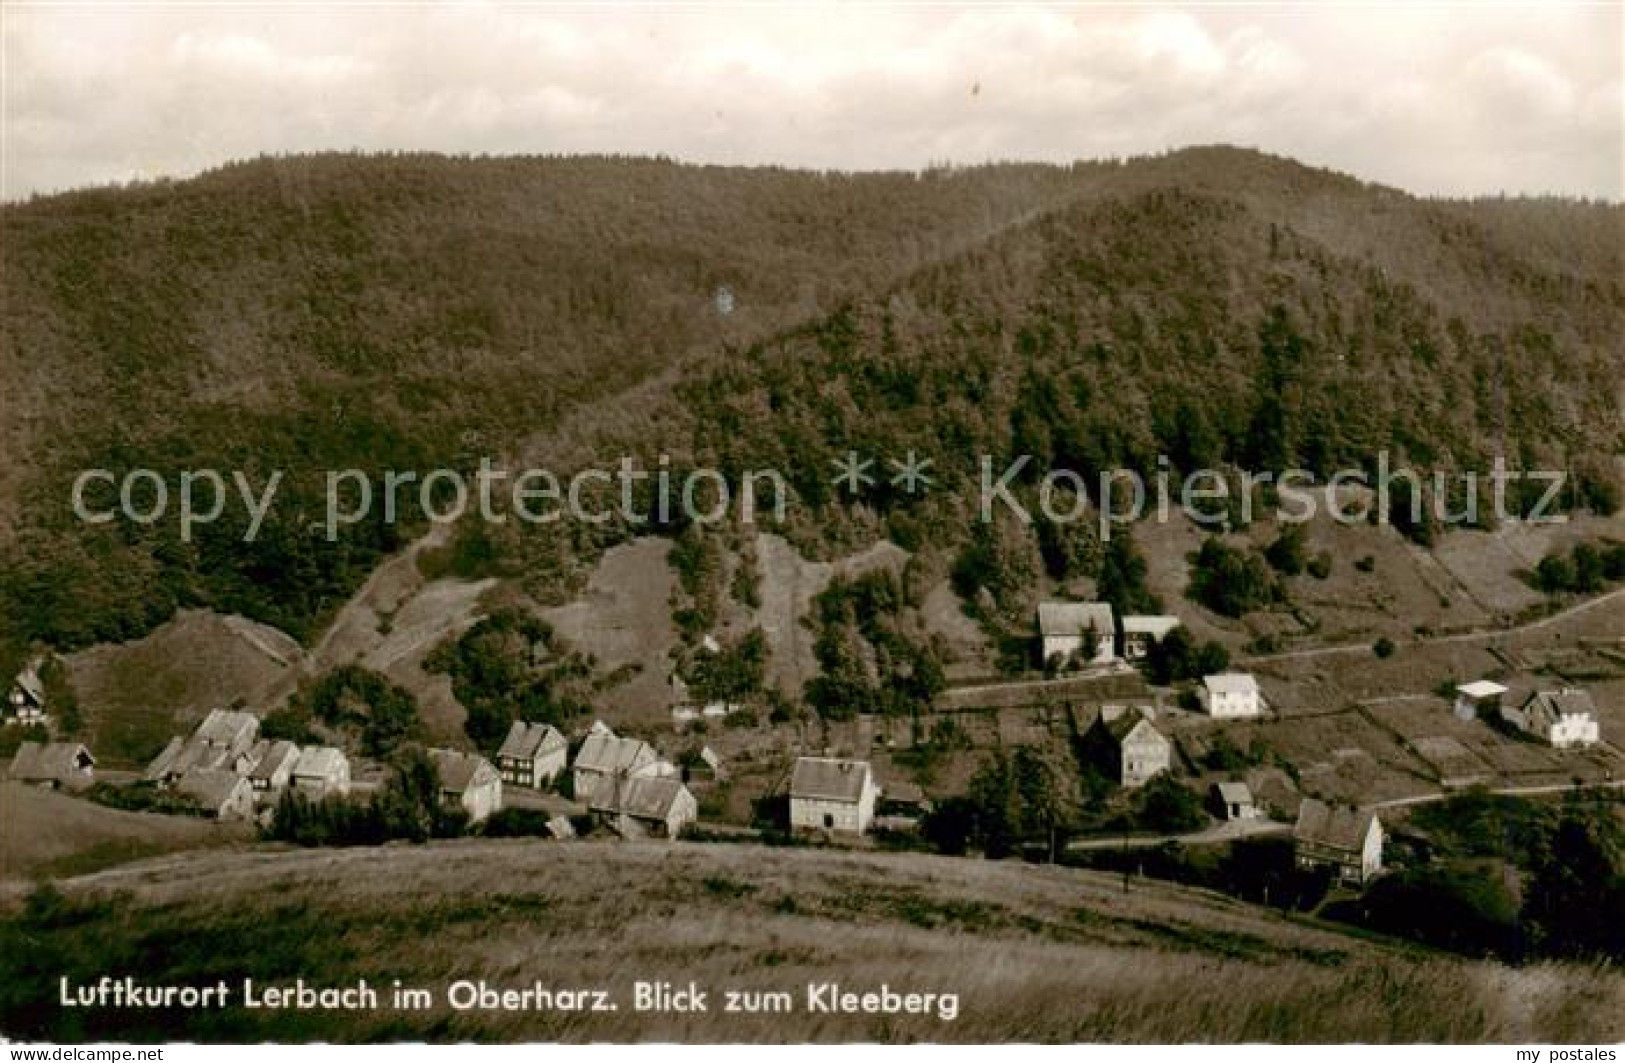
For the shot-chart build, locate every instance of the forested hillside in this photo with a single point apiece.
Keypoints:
(1215, 306)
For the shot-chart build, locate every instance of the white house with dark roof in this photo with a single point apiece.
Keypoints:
(532, 755)
(1131, 747)
(1065, 630)
(605, 757)
(273, 761)
(321, 771)
(1348, 841)
(645, 807)
(830, 794)
(1566, 718)
(468, 782)
(57, 765)
(25, 701)
(1231, 695)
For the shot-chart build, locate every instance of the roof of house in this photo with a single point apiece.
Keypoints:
(606, 753)
(1481, 688)
(271, 756)
(28, 679)
(641, 797)
(1235, 793)
(59, 761)
(1121, 725)
(461, 771)
(1547, 707)
(1231, 683)
(829, 779)
(321, 762)
(225, 727)
(212, 787)
(1339, 827)
(182, 755)
(1072, 618)
(526, 741)
(1155, 626)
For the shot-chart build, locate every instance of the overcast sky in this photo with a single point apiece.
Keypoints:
(1444, 99)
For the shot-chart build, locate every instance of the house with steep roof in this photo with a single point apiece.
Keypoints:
(1140, 633)
(273, 762)
(1230, 695)
(321, 771)
(468, 782)
(1347, 841)
(1084, 631)
(223, 740)
(56, 765)
(645, 806)
(1128, 746)
(1232, 801)
(220, 792)
(605, 757)
(25, 701)
(532, 755)
(1481, 697)
(1566, 718)
(827, 793)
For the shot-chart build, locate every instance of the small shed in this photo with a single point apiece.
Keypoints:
(1481, 697)
(1233, 801)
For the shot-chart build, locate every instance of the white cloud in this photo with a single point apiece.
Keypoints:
(1438, 100)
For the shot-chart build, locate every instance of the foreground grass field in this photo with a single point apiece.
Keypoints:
(1034, 953)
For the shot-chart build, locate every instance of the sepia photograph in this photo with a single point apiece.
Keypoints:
(691, 524)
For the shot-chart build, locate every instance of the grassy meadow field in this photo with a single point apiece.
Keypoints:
(1034, 953)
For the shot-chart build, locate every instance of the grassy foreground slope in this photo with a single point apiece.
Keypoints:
(1036, 954)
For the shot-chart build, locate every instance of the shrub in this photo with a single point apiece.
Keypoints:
(1383, 647)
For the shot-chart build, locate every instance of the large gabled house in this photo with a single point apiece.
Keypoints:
(468, 782)
(220, 792)
(1566, 718)
(831, 794)
(645, 806)
(1081, 631)
(223, 740)
(604, 757)
(1347, 841)
(1128, 746)
(57, 765)
(532, 755)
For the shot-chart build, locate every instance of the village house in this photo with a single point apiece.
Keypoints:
(1141, 632)
(1232, 801)
(1345, 840)
(273, 766)
(220, 792)
(223, 740)
(645, 807)
(1081, 631)
(833, 795)
(532, 755)
(603, 757)
(321, 771)
(1228, 695)
(1482, 697)
(1566, 718)
(1127, 746)
(468, 782)
(56, 765)
(25, 702)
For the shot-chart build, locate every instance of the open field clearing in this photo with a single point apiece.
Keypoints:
(45, 835)
(1034, 953)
